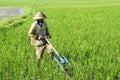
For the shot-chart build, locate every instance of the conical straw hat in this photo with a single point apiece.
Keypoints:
(39, 15)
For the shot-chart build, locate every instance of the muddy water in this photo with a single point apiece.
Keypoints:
(10, 12)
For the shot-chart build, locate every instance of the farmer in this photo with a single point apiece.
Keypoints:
(37, 32)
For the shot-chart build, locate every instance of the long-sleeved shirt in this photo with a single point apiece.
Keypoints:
(38, 30)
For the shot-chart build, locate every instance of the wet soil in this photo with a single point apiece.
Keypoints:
(10, 12)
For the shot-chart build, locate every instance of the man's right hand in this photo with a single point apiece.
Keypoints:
(39, 37)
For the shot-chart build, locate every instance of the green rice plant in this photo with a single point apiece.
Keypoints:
(87, 34)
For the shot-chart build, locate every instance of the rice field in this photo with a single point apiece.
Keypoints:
(87, 32)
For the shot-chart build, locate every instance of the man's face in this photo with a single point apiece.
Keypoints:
(40, 20)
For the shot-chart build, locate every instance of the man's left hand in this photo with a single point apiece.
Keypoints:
(49, 36)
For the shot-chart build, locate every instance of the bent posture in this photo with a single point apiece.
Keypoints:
(37, 32)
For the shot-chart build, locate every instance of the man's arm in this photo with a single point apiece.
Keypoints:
(31, 32)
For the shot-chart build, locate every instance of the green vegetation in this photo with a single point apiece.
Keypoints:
(87, 32)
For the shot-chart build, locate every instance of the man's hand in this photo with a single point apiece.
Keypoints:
(49, 36)
(39, 37)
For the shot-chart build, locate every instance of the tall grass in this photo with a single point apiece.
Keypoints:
(88, 36)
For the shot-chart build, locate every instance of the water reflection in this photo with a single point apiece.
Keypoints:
(10, 12)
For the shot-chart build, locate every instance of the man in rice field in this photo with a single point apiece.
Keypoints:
(37, 32)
